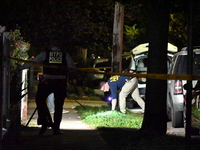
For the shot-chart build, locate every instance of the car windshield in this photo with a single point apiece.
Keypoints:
(181, 67)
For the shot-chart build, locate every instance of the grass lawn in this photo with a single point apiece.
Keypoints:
(101, 116)
(123, 131)
(195, 116)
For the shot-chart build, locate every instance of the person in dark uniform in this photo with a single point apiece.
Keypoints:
(116, 83)
(55, 72)
(124, 85)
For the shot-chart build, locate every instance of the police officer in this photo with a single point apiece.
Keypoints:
(55, 74)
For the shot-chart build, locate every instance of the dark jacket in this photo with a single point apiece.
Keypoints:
(116, 83)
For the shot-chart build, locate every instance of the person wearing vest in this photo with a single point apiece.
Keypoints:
(54, 80)
(124, 86)
(115, 83)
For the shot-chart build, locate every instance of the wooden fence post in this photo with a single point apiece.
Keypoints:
(24, 101)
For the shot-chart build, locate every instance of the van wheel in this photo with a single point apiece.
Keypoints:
(177, 119)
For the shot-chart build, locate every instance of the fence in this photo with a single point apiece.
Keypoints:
(13, 107)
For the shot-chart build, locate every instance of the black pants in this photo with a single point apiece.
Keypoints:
(46, 87)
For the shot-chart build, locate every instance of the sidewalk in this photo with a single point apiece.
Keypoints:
(77, 135)
(70, 120)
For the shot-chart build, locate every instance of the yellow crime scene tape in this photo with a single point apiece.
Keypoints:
(139, 75)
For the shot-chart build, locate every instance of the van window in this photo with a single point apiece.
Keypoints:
(142, 65)
(142, 62)
(196, 65)
(181, 65)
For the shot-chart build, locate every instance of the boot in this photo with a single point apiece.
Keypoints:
(56, 130)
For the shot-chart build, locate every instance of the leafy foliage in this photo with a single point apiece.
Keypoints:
(195, 116)
(178, 29)
(89, 24)
(19, 49)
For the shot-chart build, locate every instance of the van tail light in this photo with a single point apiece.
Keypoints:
(178, 88)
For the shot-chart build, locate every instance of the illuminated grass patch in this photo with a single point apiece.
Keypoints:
(102, 117)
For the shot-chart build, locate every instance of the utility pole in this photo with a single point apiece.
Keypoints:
(117, 37)
(5, 86)
(1, 84)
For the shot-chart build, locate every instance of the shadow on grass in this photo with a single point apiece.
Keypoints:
(132, 139)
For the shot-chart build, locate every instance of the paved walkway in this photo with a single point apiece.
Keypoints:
(77, 135)
(70, 120)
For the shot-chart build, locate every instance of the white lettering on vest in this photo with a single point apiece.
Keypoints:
(55, 57)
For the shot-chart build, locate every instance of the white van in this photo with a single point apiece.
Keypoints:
(139, 62)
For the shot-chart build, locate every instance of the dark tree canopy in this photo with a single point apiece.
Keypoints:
(80, 24)
(89, 24)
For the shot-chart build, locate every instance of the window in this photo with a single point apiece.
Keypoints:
(181, 65)
(142, 65)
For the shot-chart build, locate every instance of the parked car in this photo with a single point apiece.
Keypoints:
(92, 80)
(98, 65)
(175, 91)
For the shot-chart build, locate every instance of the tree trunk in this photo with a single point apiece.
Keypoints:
(155, 117)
